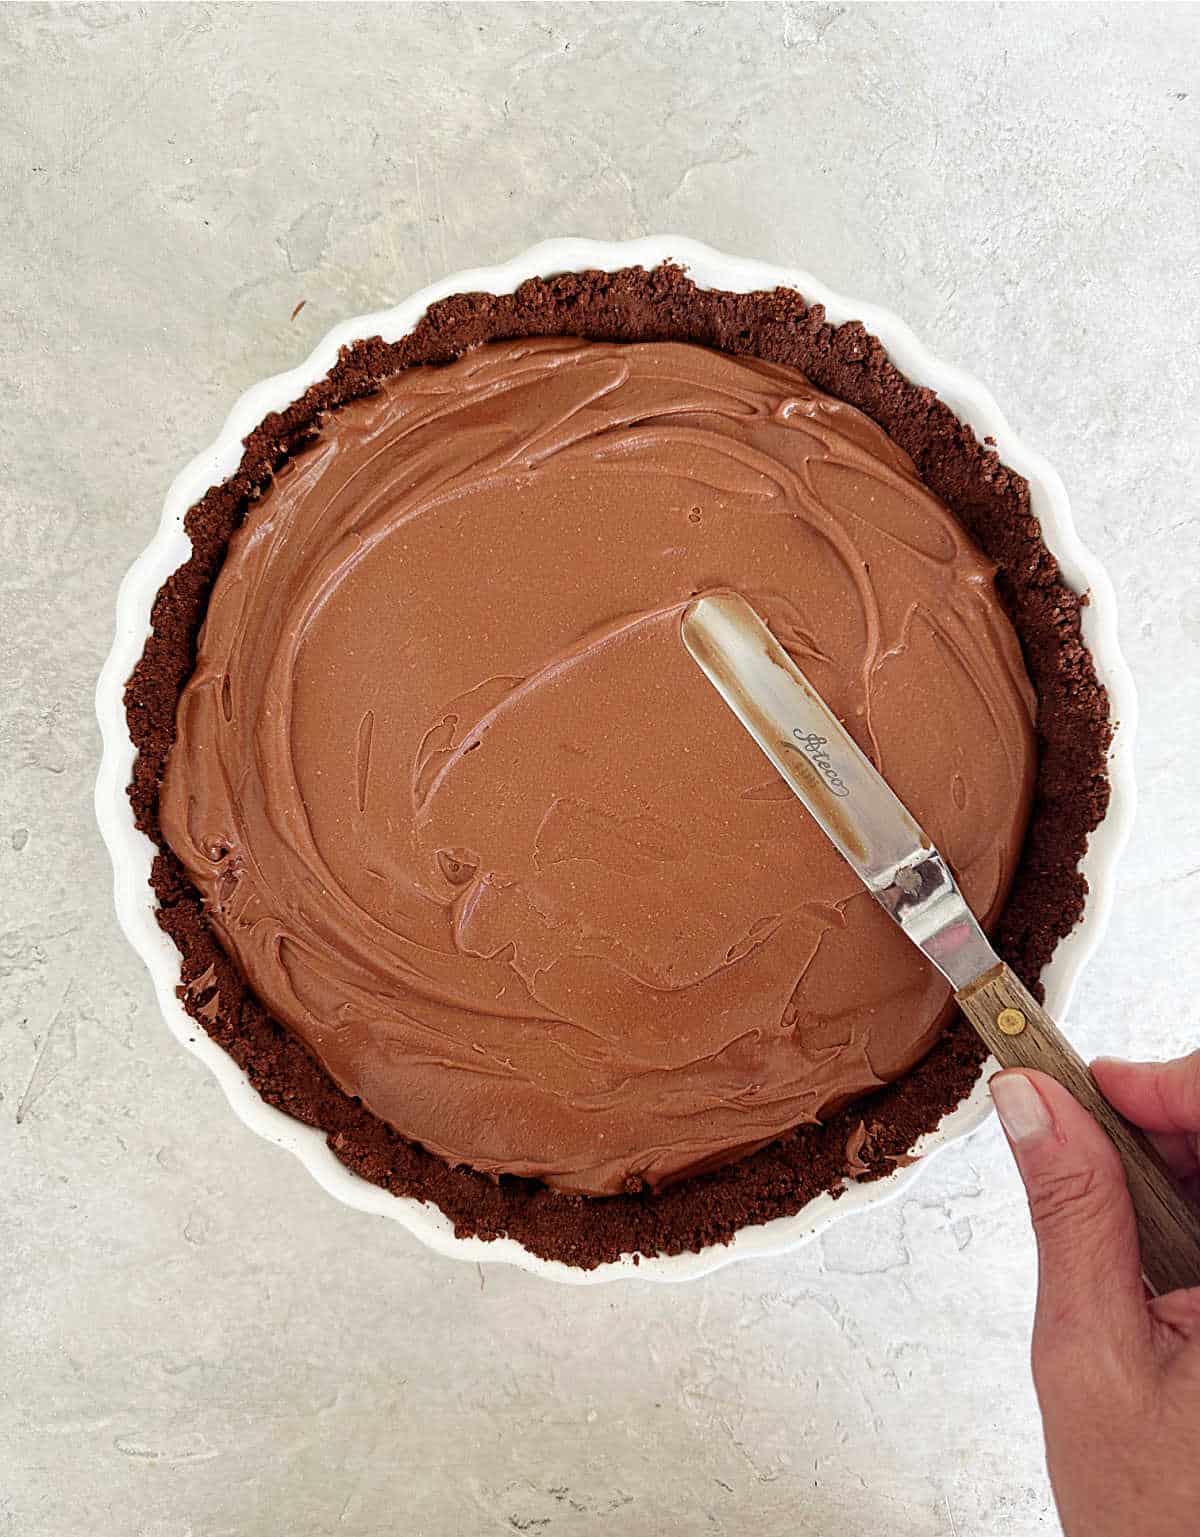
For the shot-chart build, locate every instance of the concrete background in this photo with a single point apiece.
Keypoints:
(197, 1341)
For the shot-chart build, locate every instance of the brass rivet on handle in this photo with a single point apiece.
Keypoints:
(1011, 1021)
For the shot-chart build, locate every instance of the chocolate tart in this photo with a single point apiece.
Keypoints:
(632, 1203)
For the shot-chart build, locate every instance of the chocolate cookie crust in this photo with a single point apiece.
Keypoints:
(1048, 895)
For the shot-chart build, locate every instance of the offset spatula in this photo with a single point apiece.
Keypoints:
(910, 880)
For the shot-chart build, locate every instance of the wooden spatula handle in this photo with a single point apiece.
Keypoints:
(1019, 1033)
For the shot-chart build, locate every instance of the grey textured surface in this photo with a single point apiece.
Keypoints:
(197, 1341)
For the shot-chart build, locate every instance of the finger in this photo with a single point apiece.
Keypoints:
(1180, 1151)
(1180, 1311)
(1090, 1292)
(1159, 1096)
(1149, 1094)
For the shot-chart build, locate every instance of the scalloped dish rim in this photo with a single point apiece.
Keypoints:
(131, 851)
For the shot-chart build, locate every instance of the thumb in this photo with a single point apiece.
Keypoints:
(1089, 1274)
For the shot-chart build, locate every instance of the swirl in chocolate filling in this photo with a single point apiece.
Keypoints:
(476, 829)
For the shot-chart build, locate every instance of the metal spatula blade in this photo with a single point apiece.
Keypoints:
(838, 784)
(899, 866)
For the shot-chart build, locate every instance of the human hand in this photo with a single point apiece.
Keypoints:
(1117, 1373)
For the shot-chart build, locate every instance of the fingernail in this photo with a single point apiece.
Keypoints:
(1021, 1109)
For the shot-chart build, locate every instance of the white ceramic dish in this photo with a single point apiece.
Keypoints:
(131, 851)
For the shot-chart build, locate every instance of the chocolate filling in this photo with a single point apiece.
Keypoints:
(1047, 896)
